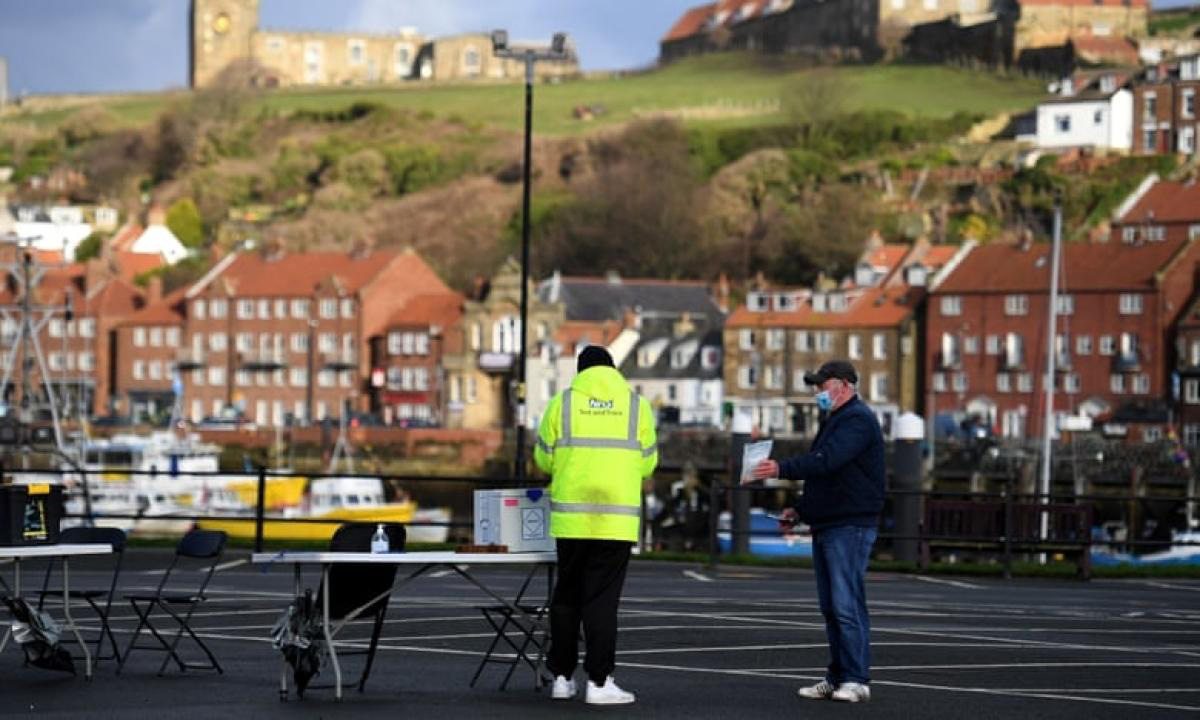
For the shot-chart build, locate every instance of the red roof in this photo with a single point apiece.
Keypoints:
(938, 255)
(692, 22)
(1100, 48)
(1167, 201)
(873, 308)
(1086, 266)
(299, 274)
(168, 311)
(722, 13)
(131, 264)
(126, 236)
(113, 299)
(441, 309)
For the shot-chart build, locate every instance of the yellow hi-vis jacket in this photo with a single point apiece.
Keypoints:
(597, 442)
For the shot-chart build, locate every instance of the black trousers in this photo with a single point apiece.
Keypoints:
(591, 574)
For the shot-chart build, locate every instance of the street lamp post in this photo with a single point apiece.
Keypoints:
(530, 55)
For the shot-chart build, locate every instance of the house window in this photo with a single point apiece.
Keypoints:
(776, 339)
(1188, 103)
(1107, 345)
(1116, 383)
(476, 336)
(299, 309)
(264, 309)
(1062, 123)
(1187, 140)
(1016, 305)
(1152, 434)
(325, 378)
(298, 377)
(951, 305)
(87, 361)
(156, 337)
(245, 309)
(198, 309)
(299, 342)
(403, 59)
(328, 308)
(879, 346)
(393, 343)
(993, 345)
(1003, 383)
(356, 51)
(1141, 384)
(773, 379)
(1071, 383)
(747, 377)
(327, 342)
(746, 340)
(960, 382)
(939, 382)
(471, 60)
(1025, 382)
(1130, 304)
(1191, 435)
(1148, 143)
(216, 375)
(1066, 304)
(1098, 117)
(824, 341)
(281, 308)
(348, 309)
(87, 327)
(139, 368)
(216, 342)
(803, 342)
(217, 308)
(245, 342)
(906, 346)
(506, 335)
(971, 345)
(879, 387)
(1083, 345)
(1191, 392)
(139, 335)
(854, 346)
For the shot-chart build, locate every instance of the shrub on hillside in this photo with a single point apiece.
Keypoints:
(365, 170)
(183, 220)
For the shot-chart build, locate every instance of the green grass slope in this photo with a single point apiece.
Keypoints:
(722, 89)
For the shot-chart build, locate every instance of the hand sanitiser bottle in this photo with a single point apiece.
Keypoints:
(379, 541)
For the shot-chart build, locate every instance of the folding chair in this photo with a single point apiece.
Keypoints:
(199, 550)
(360, 590)
(85, 536)
(529, 623)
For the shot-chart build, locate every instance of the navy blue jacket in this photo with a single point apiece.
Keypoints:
(843, 471)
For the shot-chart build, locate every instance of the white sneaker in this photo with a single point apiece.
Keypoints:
(607, 694)
(852, 692)
(564, 688)
(821, 691)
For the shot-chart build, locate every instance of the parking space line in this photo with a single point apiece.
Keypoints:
(951, 583)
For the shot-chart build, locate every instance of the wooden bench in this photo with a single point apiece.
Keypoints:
(981, 526)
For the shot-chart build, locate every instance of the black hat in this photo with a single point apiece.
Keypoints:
(592, 356)
(839, 369)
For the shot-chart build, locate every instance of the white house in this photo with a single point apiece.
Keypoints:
(55, 229)
(159, 240)
(1100, 118)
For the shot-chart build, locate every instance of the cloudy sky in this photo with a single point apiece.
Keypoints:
(56, 46)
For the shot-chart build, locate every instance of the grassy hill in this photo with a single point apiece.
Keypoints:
(720, 89)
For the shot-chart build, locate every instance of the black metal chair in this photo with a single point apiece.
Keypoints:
(200, 551)
(93, 596)
(529, 626)
(360, 590)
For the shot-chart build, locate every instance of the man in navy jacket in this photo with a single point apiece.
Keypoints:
(843, 474)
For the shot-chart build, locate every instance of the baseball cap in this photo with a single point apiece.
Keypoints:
(839, 369)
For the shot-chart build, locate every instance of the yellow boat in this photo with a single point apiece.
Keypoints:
(337, 499)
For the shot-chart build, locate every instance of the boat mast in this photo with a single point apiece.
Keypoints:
(1051, 347)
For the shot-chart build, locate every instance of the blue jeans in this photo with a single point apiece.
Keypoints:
(840, 556)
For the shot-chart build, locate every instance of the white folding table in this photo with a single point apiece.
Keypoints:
(66, 552)
(422, 562)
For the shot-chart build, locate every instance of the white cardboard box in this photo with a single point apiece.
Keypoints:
(519, 519)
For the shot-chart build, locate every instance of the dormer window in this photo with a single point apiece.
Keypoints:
(864, 274)
(710, 357)
(820, 302)
(837, 302)
(785, 302)
(1108, 83)
(757, 302)
(915, 275)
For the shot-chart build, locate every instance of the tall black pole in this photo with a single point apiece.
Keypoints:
(519, 460)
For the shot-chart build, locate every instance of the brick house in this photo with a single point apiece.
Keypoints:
(273, 335)
(480, 376)
(872, 319)
(407, 382)
(147, 345)
(986, 333)
(1165, 108)
(77, 349)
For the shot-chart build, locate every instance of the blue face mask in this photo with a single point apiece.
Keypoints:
(825, 400)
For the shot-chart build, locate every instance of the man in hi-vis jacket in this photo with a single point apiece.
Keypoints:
(597, 443)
